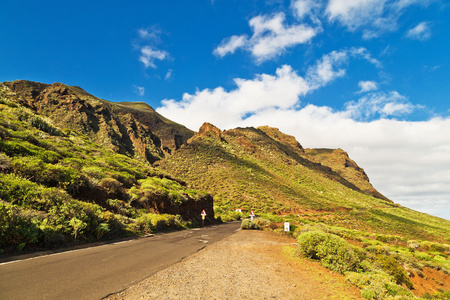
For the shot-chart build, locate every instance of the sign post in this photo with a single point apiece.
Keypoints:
(252, 215)
(203, 217)
(287, 227)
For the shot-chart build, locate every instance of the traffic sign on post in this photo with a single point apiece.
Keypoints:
(203, 217)
(252, 215)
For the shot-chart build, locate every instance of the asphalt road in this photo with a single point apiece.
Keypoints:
(93, 273)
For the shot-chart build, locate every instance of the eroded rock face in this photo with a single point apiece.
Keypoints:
(207, 129)
(132, 129)
(339, 161)
(283, 138)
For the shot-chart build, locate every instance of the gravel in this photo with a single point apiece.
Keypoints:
(245, 265)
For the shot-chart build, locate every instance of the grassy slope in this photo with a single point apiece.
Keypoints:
(247, 168)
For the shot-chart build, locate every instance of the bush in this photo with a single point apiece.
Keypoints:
(378, 286)
(154, 222)
(248, 224)
(110, 185)
(262, 222)
(390, 265)
(16, 229)
(231, 216)
(332, 251)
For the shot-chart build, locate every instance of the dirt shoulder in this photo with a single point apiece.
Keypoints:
(245, 265)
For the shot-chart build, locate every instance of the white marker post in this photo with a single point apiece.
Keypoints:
(287, 228)
(203, 217)
(252, 215)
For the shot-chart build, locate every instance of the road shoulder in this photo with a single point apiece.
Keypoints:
(248, 264)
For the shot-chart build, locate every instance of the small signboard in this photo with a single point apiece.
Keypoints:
(287, 227)
(203, 217)
(252, 215)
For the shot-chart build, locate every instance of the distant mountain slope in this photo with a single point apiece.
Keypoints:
(336, 159)
(132, 129)
(264, 170)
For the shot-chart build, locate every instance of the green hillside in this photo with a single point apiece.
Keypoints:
(246, 168)
(58, 187)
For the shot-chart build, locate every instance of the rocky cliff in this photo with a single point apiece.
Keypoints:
(132, 129)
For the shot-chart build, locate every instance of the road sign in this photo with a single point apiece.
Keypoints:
(252, 215)
(287, 227)
(203, 217)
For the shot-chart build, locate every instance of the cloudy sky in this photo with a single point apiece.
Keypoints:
(368, 76)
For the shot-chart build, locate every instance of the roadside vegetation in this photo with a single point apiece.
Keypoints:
(381, 266)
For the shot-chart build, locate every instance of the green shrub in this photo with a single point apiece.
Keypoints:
(53, 235)
(248, 224)
(110, 185)
(332, 251)
(230, 216)
(378, 286)
(16, 229)
(391, 266)
(154, 222)
(262, 222)
(101, 229)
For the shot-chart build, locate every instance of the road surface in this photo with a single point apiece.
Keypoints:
(94, 273)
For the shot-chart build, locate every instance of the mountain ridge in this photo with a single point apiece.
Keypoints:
(124, 127)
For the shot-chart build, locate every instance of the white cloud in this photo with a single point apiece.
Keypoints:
(379, 104)
(147, 34)
(325, 69)
(372, 17)
(147, 44)
(225, 109)
(330, 66)
(149, 55)
(139, 90)
(367, 86)
(282, 90)
(271, 37)
(421, 32)
(229, 45)
(303, 8)
(168, 74)
(355, 13)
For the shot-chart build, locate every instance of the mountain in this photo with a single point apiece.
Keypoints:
(264, 170)
(132, 129)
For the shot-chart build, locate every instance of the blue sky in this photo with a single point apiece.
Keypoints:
(368, 76)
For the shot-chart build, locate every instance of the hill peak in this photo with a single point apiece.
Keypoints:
(281, 137)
